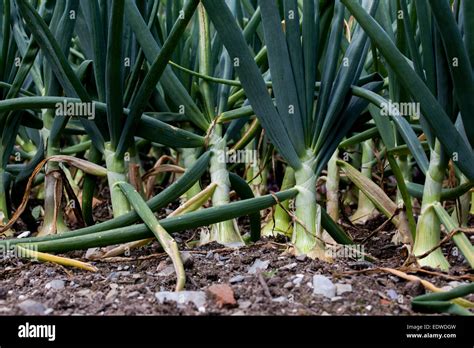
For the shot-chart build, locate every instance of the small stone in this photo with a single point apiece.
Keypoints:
(133, 294)
(237, 279)
(369, 308)
(161, 266)
(301, 258)
(20, 282)
(392, 294)
(394, 279)
(455, 284)
(93, 253)
(31, 307)
(49, 272)
(56, 284)
(244, 304)
(223, 295)
(289, 266)
(288, 285)
(48, 311)
(257, 266)
(169, 270)
(198, 298)
(85, 293)
(113, 276)
(187, 259)
(279, 299)
(322, 285)
(21, 297)
(343, 288)
(414, 288)
(336, 298)
(223, 258)
(111, 294)
(297, 279)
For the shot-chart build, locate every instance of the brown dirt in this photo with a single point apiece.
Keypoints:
(127, 286)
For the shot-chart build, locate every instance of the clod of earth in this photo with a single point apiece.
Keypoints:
(223, 294)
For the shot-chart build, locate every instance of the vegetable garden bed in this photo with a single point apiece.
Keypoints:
(251, 157)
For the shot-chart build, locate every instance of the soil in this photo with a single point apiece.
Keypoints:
(127, 285)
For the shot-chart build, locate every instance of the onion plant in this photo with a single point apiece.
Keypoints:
(304, 131)
(365, 208)
(173, 89)
(136, 123)
(428, 77)
(108, 135)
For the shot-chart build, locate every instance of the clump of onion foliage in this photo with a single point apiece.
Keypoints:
(173, 91)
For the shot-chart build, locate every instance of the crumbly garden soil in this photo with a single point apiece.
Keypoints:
(127, 285)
